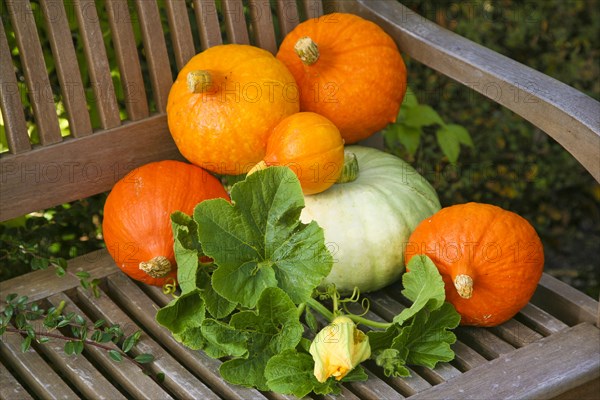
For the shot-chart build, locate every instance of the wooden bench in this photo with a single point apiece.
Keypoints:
(550, 349)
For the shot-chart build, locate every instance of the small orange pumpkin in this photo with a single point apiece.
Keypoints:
(490, 259)
(137, 216)
(348, 70)
(311, 146)
(224, 104)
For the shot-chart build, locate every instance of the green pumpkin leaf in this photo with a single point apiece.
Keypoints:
(291, 372)
(428, 338)
(271, 329)
(187, 250)
(257, 241)
(423, 285)
(216, 305)
(183, 317)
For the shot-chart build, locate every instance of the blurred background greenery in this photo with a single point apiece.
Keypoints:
(509, 162)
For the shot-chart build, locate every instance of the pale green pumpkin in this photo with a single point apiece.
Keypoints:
(368, 221)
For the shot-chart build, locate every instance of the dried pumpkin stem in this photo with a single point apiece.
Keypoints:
(157, 267)
(307, 50)
(350, 170)
(464, 286)
(199, 81)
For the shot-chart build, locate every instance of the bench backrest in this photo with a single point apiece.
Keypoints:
(117, 123)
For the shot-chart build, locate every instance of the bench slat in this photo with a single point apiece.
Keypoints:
(565, 302)
(34, 68)
(540, 320)
(79, 372)
(142, 387)
(235, 22)
(128, 59)
(67, 67)
(98, 66)
(10, 388)
(515, 333)
(261, 21)
(157, 57)
(544, 369)
(287, 12)
(66, 171)
(10, 101)
(181, 32)
(483, 341)
(313, 8)
(208, 23)
(135, 301)
(465, 357)
(178, 380)
(36, 375)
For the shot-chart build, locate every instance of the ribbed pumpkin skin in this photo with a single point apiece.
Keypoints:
(497, 248)
(359, 80)
(311, 146)
(225, 131)
(367, 222)
(137, 213)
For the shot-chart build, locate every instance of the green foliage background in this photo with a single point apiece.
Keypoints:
(511, 163)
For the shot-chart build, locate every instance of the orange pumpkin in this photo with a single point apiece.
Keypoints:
(490, 259)
(311, 146)
(225, 102)
(137, 224)
(348, 70)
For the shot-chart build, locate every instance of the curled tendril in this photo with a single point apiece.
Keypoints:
(355, 298)
(170, 287)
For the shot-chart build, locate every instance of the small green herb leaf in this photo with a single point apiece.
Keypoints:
(422, 115)
(144, 358)
(115, 355)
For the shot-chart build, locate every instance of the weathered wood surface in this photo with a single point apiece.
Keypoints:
(535, 353)
(550, 348)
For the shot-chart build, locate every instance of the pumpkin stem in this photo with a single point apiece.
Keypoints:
(464, 286)
(258, 167)
(307, 50)
(199, 81)
(350, 169)
(157, 267)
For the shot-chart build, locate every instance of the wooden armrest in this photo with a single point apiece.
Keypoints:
(567, 115)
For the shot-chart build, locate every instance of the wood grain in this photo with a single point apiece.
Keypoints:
(67, 67)
(541, 370)
(40, 92)
(78, 168)
(181, 32)
(10, 101)
(261, 22)
(128, 59)
(161, 76)
(10, 388)
(90, 32)
(125, 374)
(235, 21)
(208, 23)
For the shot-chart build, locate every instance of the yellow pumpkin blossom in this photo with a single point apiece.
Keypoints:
(338, 348)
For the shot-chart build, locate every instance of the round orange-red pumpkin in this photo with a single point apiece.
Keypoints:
(137, 216)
